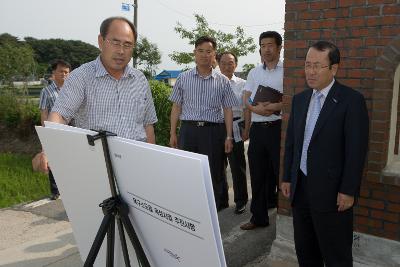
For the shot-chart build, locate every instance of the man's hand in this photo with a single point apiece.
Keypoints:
(40, 163)
(344, 201)
(262, 108)
(245, 134)
(285, 188)
(228, 145)
(173, 141)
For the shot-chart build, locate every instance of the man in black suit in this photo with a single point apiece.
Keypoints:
(325, 150)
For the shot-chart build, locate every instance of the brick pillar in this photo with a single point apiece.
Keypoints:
(367, 33)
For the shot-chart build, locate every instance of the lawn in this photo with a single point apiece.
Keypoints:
(18, 183)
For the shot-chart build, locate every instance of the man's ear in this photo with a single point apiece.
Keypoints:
(334, 69)
(100, 41)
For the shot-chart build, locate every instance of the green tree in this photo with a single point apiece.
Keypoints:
(235, 42)
(247, 68)
(75, 52)
(148, 56)
(17, 59)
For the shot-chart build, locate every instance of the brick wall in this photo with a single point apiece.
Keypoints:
(367, 33)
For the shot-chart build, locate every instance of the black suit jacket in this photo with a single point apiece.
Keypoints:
(337, 150)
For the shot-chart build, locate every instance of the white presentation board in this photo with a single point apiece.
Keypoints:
(168, 191)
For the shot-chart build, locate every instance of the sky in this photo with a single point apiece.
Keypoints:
(81, 19)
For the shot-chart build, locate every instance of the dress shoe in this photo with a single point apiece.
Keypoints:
(251, 226)
(240, 209)
(221, 207)
(55, 196)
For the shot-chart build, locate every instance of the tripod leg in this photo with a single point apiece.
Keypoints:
(123, 242)
(141, 256)
(110, 243)
(101, 233)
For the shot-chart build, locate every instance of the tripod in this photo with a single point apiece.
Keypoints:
(113, 208)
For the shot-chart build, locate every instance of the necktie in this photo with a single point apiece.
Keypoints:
(312, 120)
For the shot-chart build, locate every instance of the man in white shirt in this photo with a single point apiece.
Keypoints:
(227, 62)
(265, 131)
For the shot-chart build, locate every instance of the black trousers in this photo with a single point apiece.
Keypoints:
(264, 156)
(53, 185)
(210, 141)
(321, 237)
(237, 162)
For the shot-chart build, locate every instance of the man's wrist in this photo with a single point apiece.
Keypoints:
(229, 138)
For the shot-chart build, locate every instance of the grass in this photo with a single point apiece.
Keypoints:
(18, 183)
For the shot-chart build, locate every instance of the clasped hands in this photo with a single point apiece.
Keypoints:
(265, 108)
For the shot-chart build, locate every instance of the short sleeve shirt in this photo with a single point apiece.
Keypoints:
(261, 75)
(203, 98)
(98, 101)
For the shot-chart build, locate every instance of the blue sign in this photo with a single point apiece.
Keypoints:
(125, 7)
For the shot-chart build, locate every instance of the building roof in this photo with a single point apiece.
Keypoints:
(166, 74)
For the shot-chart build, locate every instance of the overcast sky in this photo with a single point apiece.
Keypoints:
(80, 20)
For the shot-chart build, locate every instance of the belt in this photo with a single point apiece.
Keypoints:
(201, 123)
(266, 123)
(236, 118)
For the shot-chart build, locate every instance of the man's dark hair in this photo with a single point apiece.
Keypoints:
(205, 39)
(271, 34)
(227, 53)
(105, 26)
(333, 55)
(60, 62)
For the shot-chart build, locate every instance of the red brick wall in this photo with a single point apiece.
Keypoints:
(367, 33)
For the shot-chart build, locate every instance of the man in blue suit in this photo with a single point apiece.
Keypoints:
(325, 150)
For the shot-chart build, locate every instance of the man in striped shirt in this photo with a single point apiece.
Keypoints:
(203, 100)
(107, 93)
(48, 95)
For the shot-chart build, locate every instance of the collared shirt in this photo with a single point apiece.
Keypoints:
(237, 85)
(266, 77)
(202, 98)
(324, 93)
(48, 96)
(98, 101)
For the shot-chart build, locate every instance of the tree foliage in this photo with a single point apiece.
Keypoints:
(148, 56)
(73, 51)
(247, 68)
(235, 42)
(17, 59)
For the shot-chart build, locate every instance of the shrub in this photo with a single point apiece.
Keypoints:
(18, 112)
(161, 93)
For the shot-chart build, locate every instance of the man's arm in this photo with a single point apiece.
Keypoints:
(175, 113)
(228, 117)
(56, 117)
(44, 114)
(356, 129)
(261, 108)
(288, 157)
(151, 137)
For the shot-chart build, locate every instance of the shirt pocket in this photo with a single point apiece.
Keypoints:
(136, 109)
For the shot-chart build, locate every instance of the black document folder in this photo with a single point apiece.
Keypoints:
(267, 94)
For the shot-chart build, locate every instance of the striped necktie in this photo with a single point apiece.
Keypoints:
(312, 120)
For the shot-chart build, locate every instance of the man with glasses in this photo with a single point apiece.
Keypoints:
(203, 100)
(325, 151)
(227, 62)
(107, 93)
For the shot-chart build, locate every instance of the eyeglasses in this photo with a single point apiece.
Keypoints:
(117, 44)
(315, 67)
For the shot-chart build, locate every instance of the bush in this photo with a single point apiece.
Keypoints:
(18, 112)
(161, 93)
